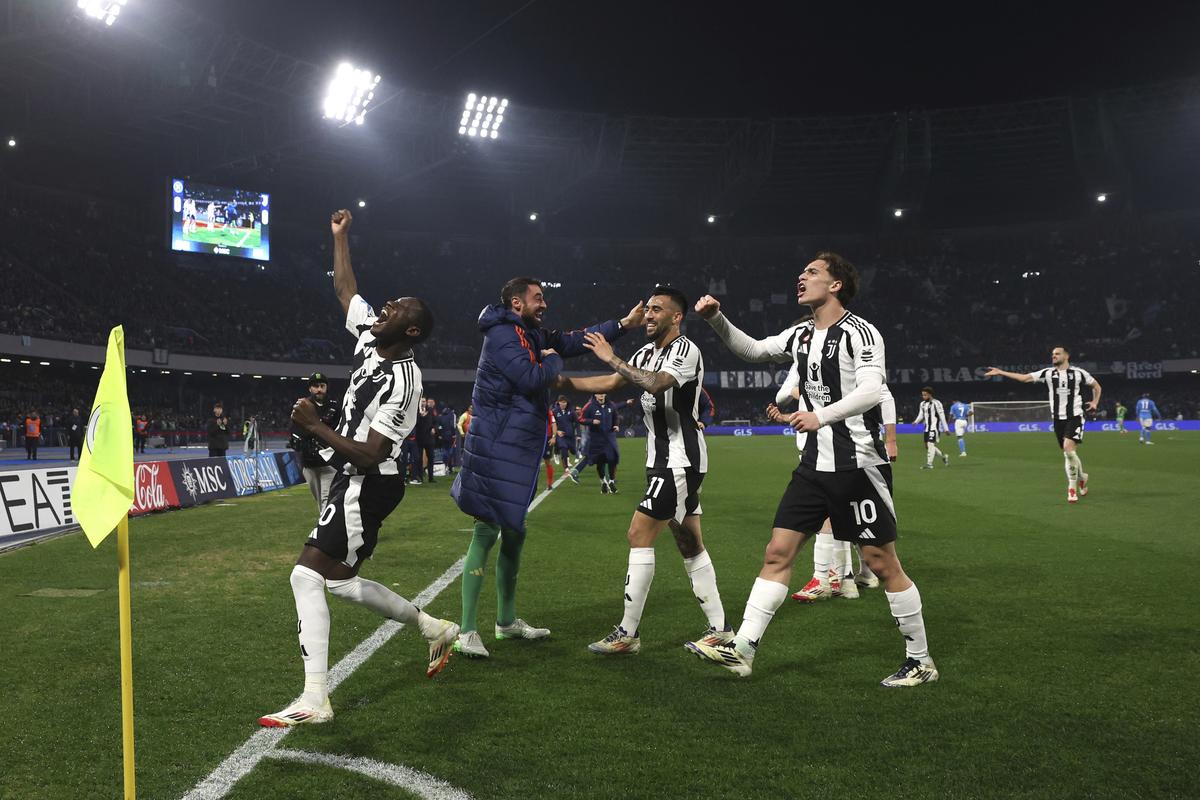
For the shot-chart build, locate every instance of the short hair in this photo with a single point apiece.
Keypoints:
(1062, 347)
(516, 287)
(927, 389)
(562, 398)
(677, 296)
(841, 270)
(422, 317)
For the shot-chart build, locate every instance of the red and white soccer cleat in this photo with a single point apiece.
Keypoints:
(1072, 496)
(1083, 490)
(813, 591)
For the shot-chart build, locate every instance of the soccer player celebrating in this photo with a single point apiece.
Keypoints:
(377, 413)
(510, 403)
(669, 370)
(844, 473)
(1066, 409)
(933, 417)
(1147, 412)
(961, 413)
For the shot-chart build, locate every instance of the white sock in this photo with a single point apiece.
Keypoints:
(765, 599)
(1078, 465)
(842, 565)
(375, 596)
(312, 613)
(1072, 474)
(906, 608)
(929, 448)
(823, 545)
(637, 587)
(704, 586)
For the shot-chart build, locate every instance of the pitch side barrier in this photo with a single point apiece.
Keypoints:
(980, 427)
(36, 503)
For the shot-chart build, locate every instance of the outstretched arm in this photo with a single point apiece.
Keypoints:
(652, 382)
(597, 384)
(744, 346)
(1016, 376)
(343, 276)
(571, 343)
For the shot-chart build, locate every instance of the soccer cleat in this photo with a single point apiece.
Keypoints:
(1083, 490)
(445, 634)
(573, 474)
(520, 629)
(866, 580)
(298, 713)
(813, 591)
(470, 645)
(612, 485)
(617, 643)
(962, 455)
(945, 460)
(714, 637)
(927, 466)
(845, 587)
(1149, 442)
(604, 486)
(911, 673)
(1072, 496)
(727, 655)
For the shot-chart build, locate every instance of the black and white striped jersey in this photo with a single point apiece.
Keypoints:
(829, 363)
(1066, 389)
(673, 439)
(932, 416)
(384, 394)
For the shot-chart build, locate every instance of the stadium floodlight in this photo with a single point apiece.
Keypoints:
(1102, 198)
(898, 212)
(107, 10)
(362, 203)
(533, 216)
(711, 219)
(349, 93)
(482, 115)
(12, 142)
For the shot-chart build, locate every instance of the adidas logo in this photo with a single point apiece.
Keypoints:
(866, 534)
(646, 504)
(477, 572)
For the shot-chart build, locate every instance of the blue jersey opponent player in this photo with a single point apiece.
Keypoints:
(1146, 412)
(963, 417)
(844, 473)
(377, 413)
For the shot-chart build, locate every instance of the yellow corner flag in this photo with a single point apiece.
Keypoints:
(103, 490)
(101, 496)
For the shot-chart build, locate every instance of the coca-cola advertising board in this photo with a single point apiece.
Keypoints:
(153, 488)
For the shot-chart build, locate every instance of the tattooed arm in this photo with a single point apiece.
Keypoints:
(652, 382)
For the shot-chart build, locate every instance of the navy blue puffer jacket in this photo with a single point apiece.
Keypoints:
(512, 401)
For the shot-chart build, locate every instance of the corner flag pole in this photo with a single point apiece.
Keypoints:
(126, 655)
(101, 495)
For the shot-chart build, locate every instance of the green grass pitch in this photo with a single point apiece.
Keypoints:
(226, 237)
(1066, 639)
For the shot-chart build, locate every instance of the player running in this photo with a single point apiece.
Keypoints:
(1146, 412)
(963, 415)
(670, 370)
(932, 416)
(377, 413)
(843, 474)
(1066, 409)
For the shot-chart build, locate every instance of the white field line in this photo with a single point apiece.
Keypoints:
(419, 783)
(260, 744)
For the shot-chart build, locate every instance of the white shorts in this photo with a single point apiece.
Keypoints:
(960, 427)
(1147, 422)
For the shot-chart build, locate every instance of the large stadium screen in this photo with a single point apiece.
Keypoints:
(220, 220)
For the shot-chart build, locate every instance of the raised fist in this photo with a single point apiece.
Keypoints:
(708, 306)
(340, 221)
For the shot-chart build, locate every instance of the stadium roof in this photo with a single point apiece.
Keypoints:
(186, 92)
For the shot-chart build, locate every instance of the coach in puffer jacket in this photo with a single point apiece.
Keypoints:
(517, 368)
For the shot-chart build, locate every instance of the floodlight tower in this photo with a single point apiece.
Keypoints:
(482, 116)
(107, 10)
(350, 92)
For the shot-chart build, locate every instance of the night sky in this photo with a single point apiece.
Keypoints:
(745, 59)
